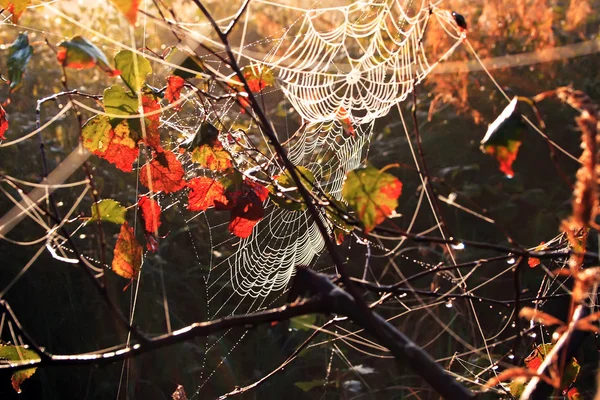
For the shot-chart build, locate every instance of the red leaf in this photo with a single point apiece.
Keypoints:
(128, 254)
(150, 214)
(204, 192)
(164, 173)
(345, 118)
(247, 208)
(173, 93)
(151, 243)
(151, 106)
(3, 123)
(246, 213)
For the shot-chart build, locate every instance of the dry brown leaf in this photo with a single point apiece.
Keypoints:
(513, 373)
(584, 325)
(539, 316)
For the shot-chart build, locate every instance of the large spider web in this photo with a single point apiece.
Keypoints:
(340, 67)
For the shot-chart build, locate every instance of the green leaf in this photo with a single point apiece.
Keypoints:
(373, 194)
(504, 136)
(95, 133)
(309, 385)
(19, 54)
(126, 63)
(109, 211)
(189, 62)
(18, 353)
(119, 101)
(80, 53)
(291, 199)
(303, 322)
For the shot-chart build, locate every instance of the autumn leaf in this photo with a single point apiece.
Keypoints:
(246, 213)
(373, 194)
(164, 173)
(128, 254)
(345, 119)
(207, 134)
(79, 53)
(119, 101)
(179, 393)
(214, 157)
(3, 123)
(538, 316)
(18, 353)
(533, 261)
(151, 106)
(504, 136)
(247, 209)
(129, 8)
(573, 394)
(108, 210)
(133, 69)
(15, 7)
(287, 195)
(173, 93)
(204, 191)
(19, 54)
(192, 63)
(150, 214)
(114, 145)
(535, 359)
(258, 77)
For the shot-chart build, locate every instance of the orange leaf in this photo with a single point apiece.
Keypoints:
(204, 192)
(573, 394)
(128, 254)
(173, 93)
(258, 77)
(16, 8)
(3, 123)
(120, 155)
(150, 214)
(533, 262)
(129, 8)
(114, 145)
(164, 173)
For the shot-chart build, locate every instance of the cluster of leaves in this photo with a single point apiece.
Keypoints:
(533, 361)
(132, 120)
(18, 353)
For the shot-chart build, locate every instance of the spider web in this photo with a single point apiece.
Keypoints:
(340, 67)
